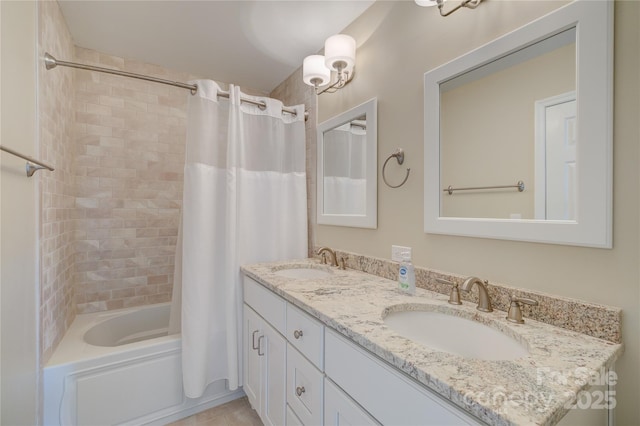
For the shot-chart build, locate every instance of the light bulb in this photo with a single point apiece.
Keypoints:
(427, 3)
(340, 52)
(314, 71)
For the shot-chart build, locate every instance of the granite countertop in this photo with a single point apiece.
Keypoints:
(537, 389)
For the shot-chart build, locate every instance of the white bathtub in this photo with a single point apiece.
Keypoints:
(120, 367)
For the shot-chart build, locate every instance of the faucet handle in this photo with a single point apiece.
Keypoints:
(515, 311)
(454, 296)
(324, 258)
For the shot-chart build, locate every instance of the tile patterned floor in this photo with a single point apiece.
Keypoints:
(234, 413)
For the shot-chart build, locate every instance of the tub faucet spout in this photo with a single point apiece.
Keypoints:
(484, 302)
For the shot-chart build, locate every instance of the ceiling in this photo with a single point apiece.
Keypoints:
(255, 44)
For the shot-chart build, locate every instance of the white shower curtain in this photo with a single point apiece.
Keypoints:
(244, 202)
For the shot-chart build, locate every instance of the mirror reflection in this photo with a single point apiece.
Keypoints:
(507, 121)
(345, 149)
(346, 178)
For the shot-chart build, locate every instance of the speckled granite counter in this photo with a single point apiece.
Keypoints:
(537, 389)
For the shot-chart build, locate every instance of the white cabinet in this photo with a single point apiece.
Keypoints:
(267, 304)
(274, 397)
(304, 388)
(297, 372)
(292, 419)
(265, 352)
(305, 359)
(252, 363)
(306, 334)
(340, 410)
(265, 368)
(391, 397)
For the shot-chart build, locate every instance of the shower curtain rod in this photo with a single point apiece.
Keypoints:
(50, 62)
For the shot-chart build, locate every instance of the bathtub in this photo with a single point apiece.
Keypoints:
(121, 367)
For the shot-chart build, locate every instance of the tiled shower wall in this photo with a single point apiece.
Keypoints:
(110, 211)
(130, 141)
(56, 118)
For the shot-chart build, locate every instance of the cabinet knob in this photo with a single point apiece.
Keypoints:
(297, 334)
(300, 390)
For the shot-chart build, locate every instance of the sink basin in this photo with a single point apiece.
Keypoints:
(304, 272)
(460, 336)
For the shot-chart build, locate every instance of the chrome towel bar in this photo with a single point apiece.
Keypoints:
(519, 185)
(32, 165)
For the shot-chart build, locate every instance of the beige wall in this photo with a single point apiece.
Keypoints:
(397, 43)
(18, 237)
(56, 124)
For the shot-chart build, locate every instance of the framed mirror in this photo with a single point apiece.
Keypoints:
(347, 168)
(518, 133)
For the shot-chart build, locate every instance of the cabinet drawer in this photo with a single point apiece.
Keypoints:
(266, 303)
(305, 388)
(340, 410)
(306, 334)
(391, 398)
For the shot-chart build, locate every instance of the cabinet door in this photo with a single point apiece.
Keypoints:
(340, 410)
(252, 330)
(274, 350)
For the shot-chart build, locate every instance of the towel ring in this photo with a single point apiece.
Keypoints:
(399, 156)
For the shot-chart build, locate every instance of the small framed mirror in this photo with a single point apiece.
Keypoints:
(518, 133)
(347, 168)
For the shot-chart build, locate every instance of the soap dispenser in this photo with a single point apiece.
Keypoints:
(407, 275)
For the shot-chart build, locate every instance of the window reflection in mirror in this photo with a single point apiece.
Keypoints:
(512, 120)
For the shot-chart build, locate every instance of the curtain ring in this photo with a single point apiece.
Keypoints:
(398, 154)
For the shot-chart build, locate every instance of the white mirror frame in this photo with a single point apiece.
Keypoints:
(594, 55)
(370, 218)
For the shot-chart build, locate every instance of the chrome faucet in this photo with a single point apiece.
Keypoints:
(323, 250)
(484, 303)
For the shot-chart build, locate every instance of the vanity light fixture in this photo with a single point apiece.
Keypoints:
(471, 4)
(339, 57)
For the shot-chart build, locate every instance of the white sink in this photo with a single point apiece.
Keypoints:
(304, 272)
(460, 336)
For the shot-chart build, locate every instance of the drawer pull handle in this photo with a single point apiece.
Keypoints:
(297, 334)
(300, 390)
(260, 345)
(253, 340)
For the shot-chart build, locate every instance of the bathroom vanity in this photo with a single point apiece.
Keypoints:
(317, 350)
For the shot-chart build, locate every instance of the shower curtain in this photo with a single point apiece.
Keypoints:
(244, 202)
